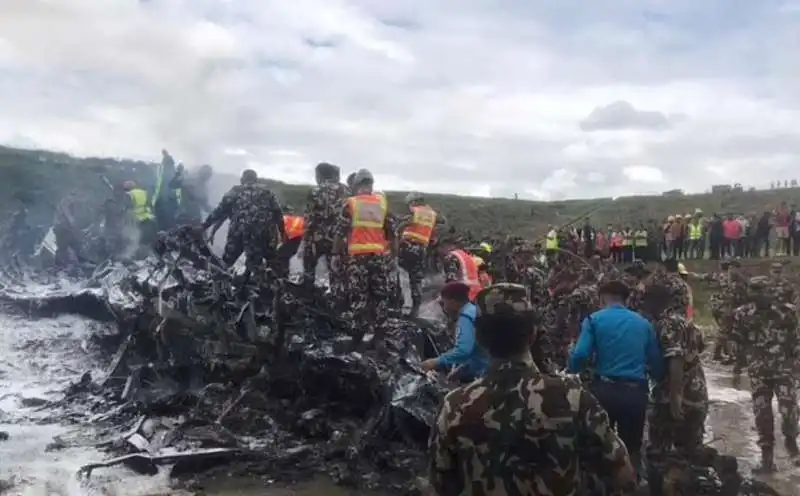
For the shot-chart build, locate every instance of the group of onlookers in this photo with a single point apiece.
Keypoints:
(686, 237)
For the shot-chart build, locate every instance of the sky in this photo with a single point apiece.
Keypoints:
(544, 99)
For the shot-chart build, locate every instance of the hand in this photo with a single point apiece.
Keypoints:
(676, 407)
(625, 478)
(429, 364)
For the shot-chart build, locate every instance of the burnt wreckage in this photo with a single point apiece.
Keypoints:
(215, 371)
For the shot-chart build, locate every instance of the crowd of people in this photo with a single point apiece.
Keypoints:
(521, 315)
(688, 237)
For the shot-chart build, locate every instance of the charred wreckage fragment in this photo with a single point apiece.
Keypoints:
(217, 371)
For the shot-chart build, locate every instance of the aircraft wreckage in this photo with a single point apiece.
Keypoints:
(216, 371)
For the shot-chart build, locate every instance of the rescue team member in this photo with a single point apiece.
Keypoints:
(551, 243)
(369, 230)
(489, 438)
(684, 275)
(416, 232)
(483, 272)
(294, 225)
(466, 357)
(460, 266)
(625, 349)
(142, 212)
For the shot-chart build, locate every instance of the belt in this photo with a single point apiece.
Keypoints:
(625, 381)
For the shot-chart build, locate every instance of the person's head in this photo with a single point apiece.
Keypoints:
(656, 300)
(350, 179)
(128, 185)
(454, 296)
(682, 272)
(363, 181)
(758, 291)
(505, 321)
(670, 265)
(249, 176)
(205, 172)
(414, 198)
(613, 293)
(325, 172)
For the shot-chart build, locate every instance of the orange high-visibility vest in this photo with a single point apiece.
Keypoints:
(368, 217)
(294, 225)
(469, 272)
(423, 221)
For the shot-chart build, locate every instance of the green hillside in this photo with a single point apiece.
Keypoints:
(42, 178)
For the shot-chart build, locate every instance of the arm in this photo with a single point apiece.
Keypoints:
(442, 472)
(390, 227)
(655, 360)
(583, 349)
(340, 231)
(596, 429)
(277, 214)
(465, 344)
(222, 212)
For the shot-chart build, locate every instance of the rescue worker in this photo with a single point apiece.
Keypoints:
(483, 272)
(166, 198)
(115, 222)
(416, 231)
(323, 208)
(459, 265)
(294, 225)
(466, 358)
(142, 213)
(487, 437)
(194, 196)
(551, 243)
(256, 222)
(680, 400)
(68, 226)
(769, 333)
(366, 237)
(626, 354)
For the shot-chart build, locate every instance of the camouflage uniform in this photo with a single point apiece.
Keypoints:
(323, 206)
(255, 221)
(518, 431)
(67, 227)
(679, 338)
(367, 281)
(452, 268)
(771, 338)
(782, 288)
(412, 258)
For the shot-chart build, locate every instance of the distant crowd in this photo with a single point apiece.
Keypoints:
(687, 237)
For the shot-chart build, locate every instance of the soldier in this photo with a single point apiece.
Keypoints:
(768, 331)
(323, 207)
(490, 436)
(256, 222)
(366, 236)
(68, 228)
(782, 288)
(115, 210)
(416, 231)
(680, 400)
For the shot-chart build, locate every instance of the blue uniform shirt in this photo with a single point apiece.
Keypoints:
(623, 342)
(466, 352)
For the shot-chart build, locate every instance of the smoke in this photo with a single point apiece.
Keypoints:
(132, 236)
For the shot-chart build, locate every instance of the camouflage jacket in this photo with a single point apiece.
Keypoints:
(452, 268)
(518, 431)
(323, 207)
(770, 337)
(679, 337)
(248, 205)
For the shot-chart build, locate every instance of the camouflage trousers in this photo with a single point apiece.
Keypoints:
(256, 243)
(313, 250)
(670, 442)
(412, 260)
(763, 389)
(369, 289)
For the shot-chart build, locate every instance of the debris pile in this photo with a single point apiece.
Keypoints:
(256, 374)
(216, 371)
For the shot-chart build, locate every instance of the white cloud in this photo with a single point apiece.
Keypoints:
(458, 97)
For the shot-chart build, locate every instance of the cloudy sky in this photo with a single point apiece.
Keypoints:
(548, 99)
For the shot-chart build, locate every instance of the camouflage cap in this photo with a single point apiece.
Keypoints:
(502, 297)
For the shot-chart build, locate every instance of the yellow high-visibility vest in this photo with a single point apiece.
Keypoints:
(552, 241)
(695, 231)
(141, 207)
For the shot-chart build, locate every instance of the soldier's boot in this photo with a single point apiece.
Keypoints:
(767, 462)
(791, 447)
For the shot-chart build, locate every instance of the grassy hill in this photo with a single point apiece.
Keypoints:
(42, 178)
